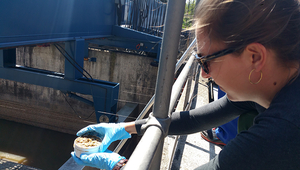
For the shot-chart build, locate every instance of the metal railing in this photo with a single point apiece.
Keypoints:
(149, 15)
(148, 106)
(148, 152)
(144, 15)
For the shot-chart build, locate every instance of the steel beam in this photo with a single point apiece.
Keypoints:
(105, 94)
(30, 22)
(131, 39)
(76, 52)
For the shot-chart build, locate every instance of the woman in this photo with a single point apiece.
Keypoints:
(251, 48)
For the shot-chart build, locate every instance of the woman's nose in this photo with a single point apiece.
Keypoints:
(204, 75)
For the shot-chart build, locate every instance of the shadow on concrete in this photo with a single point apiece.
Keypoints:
(182, 141)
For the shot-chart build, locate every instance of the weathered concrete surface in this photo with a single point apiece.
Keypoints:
(50, 108)
(136, 76)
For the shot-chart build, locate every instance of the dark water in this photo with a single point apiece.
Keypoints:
(43, 148)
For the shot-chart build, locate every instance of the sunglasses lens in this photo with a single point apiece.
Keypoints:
(205, 67)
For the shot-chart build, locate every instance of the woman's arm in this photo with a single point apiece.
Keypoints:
(130, 127)
(211, 115)
(208, 116)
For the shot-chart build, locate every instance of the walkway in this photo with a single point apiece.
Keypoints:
(192, 151)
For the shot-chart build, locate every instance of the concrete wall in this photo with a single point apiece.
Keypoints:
(49, 108)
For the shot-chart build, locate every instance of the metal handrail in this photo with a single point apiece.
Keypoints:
(185, 55)
(147, 154)
(190, 98)
(189, 50)
(177, 87)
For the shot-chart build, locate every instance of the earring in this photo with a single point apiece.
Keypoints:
(259, 78)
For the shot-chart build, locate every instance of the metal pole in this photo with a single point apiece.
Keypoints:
(165, 78)
(143, 156)
(151, 101)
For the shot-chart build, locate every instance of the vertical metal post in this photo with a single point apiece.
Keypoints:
(147, 154)
(167, 63)
(169, 52)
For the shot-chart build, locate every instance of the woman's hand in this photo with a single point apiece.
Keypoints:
(108, 132)
(105, 160)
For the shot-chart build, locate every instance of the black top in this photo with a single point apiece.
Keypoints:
(273, 142)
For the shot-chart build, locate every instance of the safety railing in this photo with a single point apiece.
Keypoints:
(149, 15)
(148, 152)
(181, 78)
(144, 15)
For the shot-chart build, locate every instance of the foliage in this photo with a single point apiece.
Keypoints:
(189, 14)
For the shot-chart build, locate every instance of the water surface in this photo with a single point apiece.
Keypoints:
(43, 148)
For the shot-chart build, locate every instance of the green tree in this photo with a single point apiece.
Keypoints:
(189, 14)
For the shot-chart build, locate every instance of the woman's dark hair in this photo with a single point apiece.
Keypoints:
(272, 23)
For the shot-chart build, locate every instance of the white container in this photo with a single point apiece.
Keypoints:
(82, 146)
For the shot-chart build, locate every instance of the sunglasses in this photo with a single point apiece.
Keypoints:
(204, 59)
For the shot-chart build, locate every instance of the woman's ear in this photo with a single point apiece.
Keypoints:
(257, 54)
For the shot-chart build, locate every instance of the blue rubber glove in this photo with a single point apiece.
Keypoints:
(108, 132)
(104, 160)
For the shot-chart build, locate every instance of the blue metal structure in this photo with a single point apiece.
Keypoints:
(76, 23)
